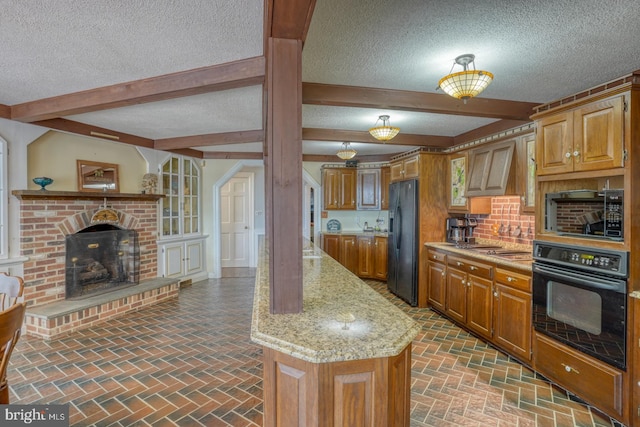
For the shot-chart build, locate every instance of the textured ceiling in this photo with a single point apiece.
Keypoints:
(538, 51)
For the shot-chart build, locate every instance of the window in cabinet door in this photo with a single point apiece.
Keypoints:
(457, 178)
(181, 204)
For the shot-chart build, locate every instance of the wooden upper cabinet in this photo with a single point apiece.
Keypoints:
(408, 168)
(331, 189)
(385, 180)
(339, 188)
(585, 139)
(526, 172)
(348, 184)
(368, 189)
(456, 183)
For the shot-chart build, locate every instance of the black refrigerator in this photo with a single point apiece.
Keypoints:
(402, 277)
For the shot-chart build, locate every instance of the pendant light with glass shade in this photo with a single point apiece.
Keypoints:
(467, 83)
(346, 152)
(384, 132)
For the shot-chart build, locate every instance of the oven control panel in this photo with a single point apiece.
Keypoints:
(599, 260)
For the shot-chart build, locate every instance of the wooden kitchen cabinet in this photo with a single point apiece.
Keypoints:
(469, 294)
(368, 189)
(407, 168)
(349, 253)
(470, 287)
(365, 256)
(456, 295)
(385, 180)
(480, 305)
(437, 277)
(584, 139)
(339, 186)
(526, 173)
(593, 381)
(380, 257)
(331, 245)
(372, 257)
(512, 323)
(456, 183)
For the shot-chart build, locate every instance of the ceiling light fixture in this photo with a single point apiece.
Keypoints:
(467, 83)
(384, 132)
(346, 152)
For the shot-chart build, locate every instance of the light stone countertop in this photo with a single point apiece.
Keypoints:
(450, 247)
(380, 329)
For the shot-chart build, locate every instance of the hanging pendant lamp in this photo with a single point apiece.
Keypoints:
(467, 83)
(346, 152)
(384, 132)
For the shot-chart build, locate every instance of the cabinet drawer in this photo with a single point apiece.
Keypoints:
(434, 255)
(515, 280)
(471, 267)
(595, 382)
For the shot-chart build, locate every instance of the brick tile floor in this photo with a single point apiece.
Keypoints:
(190, 362)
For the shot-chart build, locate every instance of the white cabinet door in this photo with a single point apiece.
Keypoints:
(173, 260)
(182, 258)
(194, 259)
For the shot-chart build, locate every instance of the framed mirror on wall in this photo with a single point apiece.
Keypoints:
(97, 176)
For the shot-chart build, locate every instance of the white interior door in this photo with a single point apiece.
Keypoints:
(235, 227)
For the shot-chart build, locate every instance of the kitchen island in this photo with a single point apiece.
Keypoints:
(345, 360)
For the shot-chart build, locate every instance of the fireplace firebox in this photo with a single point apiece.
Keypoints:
(100, 258)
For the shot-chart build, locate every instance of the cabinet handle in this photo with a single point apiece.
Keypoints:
(442, 274)
(460, 264)
(511, 279)
(576, 154)
(463, 282)
(567, 155)
(570, 369)
(495, 294)
(473, 268)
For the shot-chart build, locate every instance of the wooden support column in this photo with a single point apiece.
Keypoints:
(283, 166)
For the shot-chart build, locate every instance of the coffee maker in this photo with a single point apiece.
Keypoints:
(460, 230)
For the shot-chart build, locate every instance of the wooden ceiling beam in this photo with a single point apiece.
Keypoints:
(315, 134)
(211, 139)
(95, 132)
(246, 72)
(5, 111)
(324, 158)
(231, 155)
(353, 96)
(289, 19)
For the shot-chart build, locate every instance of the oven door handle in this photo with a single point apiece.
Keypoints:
(588, 281)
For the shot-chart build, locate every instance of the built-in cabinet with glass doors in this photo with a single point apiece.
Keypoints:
(181, 243)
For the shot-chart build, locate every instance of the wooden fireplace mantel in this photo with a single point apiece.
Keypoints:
(75, 195)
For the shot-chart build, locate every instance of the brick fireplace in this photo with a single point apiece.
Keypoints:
(46, 219)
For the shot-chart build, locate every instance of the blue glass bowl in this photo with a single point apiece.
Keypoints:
(42, 181)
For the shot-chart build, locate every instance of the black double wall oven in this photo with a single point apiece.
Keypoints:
(580, 298)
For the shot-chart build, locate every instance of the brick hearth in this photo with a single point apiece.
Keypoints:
(46, 218)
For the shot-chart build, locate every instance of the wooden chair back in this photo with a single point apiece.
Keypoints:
(10, 329)
(11, 290)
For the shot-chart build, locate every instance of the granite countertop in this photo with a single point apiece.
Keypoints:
(358, 233)
(380, 329)
(517, 264)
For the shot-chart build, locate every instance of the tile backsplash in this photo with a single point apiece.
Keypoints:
(516, 228)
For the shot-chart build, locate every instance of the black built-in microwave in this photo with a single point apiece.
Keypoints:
(586, 213)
